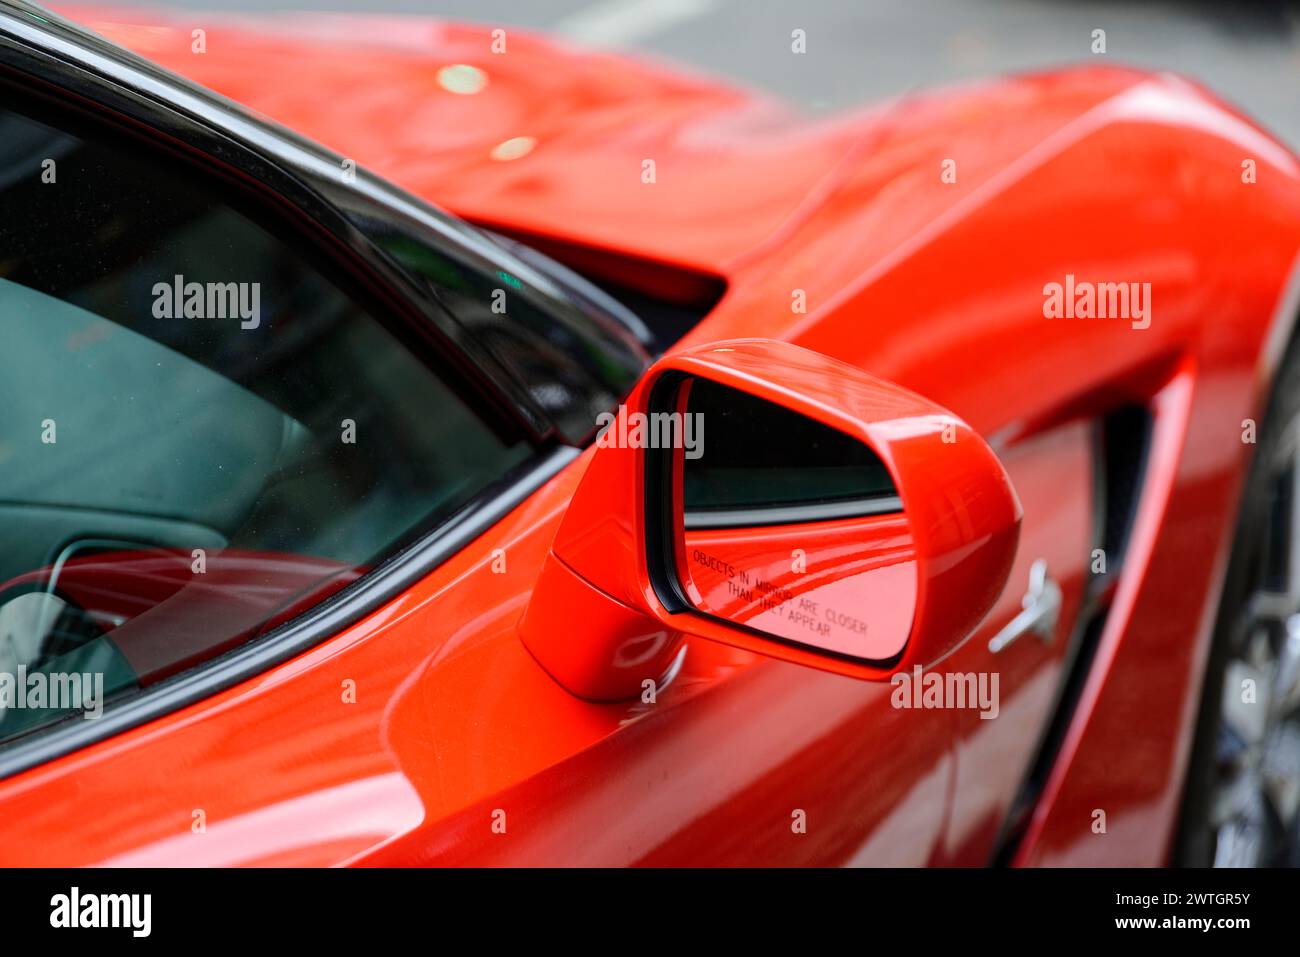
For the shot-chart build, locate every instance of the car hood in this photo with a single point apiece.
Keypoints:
(541, 137)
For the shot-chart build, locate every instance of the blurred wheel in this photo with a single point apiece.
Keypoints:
(1243, 786)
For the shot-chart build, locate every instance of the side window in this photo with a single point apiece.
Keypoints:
(201, 433)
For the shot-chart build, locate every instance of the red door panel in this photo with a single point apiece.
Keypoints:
(1053, 475)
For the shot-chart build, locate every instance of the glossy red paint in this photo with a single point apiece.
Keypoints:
(540, 135)
(1103, 173)
(590, 642)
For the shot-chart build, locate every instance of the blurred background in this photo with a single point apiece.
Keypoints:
(864, 50)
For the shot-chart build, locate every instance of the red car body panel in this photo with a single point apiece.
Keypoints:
(938, 286)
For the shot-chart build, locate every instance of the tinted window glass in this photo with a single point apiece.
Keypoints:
(201, 432)
(758, 455)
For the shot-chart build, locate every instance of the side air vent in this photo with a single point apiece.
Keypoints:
(1124, 438)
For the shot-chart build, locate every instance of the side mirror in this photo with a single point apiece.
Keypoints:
(768, 497)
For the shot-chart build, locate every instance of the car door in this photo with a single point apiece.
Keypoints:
(1026, 656)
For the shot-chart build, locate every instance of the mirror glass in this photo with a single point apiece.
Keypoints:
(786, 525)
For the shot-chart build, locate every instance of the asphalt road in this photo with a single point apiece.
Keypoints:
(863, 50)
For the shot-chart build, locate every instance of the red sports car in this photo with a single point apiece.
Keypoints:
(569, 462)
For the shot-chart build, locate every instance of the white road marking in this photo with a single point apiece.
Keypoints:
(620, 22)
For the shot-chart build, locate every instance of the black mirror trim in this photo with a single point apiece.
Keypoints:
(792, 514)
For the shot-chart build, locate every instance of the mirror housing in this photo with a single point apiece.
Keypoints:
(611, 607)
